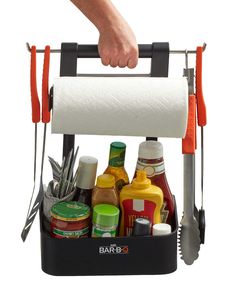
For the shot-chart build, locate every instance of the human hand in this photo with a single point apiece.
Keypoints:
(117, 46)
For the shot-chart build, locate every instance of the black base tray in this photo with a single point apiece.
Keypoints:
(85, 256)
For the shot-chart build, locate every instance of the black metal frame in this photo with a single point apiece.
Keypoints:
(68, 67)
(159, 64)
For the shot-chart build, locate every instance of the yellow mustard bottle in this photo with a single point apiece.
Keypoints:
(139, 199)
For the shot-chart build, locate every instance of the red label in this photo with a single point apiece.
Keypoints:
(135, 209)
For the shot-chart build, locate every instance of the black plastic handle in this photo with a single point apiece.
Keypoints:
(91, 51)
(202, 225)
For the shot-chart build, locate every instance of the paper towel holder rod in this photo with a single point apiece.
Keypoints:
(91, 51)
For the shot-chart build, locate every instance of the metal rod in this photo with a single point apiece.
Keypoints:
(35, 167)
(187, 70)
(43, 152)
(186, 60)
(35, 148)
(202, 167)
(91, 51)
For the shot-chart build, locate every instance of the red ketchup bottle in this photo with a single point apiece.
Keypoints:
(150, 159)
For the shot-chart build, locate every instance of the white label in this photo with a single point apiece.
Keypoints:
(138, 205)
(151, 169)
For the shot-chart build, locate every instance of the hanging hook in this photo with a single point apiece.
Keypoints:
(28, 47)
(204, 46)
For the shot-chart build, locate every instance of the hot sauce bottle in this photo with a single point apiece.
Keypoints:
(150, 159)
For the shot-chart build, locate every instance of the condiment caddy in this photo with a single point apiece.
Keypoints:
(109, 255)
(90, 235)
(112, 230)
(98, 209)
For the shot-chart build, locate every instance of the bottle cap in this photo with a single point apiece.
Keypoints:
(117, 154)
(118, 145)
(105, 181)
(161, 229)
(106, 215)
(141, 181)
(150, 150)
(142, 227)
(87, 172)
(70, 211)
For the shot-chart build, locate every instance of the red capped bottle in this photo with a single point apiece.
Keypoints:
(150, 159)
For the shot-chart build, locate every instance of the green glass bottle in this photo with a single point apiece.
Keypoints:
(116, 165)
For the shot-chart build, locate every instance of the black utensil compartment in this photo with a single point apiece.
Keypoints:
(109, 256)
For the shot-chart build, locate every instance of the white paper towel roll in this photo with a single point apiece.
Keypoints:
(125, 106)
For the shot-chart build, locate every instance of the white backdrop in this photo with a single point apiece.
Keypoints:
(185, 24)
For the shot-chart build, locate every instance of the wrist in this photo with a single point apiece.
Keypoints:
(107, 24)
(112, 22)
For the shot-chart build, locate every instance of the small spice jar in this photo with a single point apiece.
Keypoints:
(70, 220)
(161, 229)
(105, 220)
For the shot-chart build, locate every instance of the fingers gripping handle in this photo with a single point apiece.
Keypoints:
(45, 90)
(33, 88)
(201, 107)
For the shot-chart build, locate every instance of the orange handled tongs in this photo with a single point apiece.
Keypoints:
(192, 225)
(31, 214)
(189, 235)
(202, 121)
